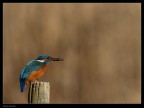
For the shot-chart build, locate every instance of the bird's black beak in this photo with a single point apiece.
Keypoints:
(55, 59)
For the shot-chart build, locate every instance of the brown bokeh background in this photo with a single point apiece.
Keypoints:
(100, 43)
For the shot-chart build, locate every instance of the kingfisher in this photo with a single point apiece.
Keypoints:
(35, 69)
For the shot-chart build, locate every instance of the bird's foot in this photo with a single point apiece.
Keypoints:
(27, 83)
(35, 81)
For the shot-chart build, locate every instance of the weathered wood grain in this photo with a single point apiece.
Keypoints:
(39, 93)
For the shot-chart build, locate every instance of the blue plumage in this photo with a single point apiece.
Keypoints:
(41, 57)
(29, 68)
(22, 85)
(33, 66)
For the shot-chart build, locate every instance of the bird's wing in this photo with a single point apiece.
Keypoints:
(29, 68)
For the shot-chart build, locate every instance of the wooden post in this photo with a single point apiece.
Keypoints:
(39, 93)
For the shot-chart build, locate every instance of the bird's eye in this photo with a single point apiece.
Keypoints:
(49, 58)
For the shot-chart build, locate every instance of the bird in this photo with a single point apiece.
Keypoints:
(34, 69)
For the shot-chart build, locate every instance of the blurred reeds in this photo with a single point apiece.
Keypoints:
(100, 43)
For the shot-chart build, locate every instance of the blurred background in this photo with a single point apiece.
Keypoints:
(99, 42)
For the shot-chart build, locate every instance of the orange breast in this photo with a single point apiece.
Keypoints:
(36, 74)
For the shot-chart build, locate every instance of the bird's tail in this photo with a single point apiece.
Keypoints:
(22, 85)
